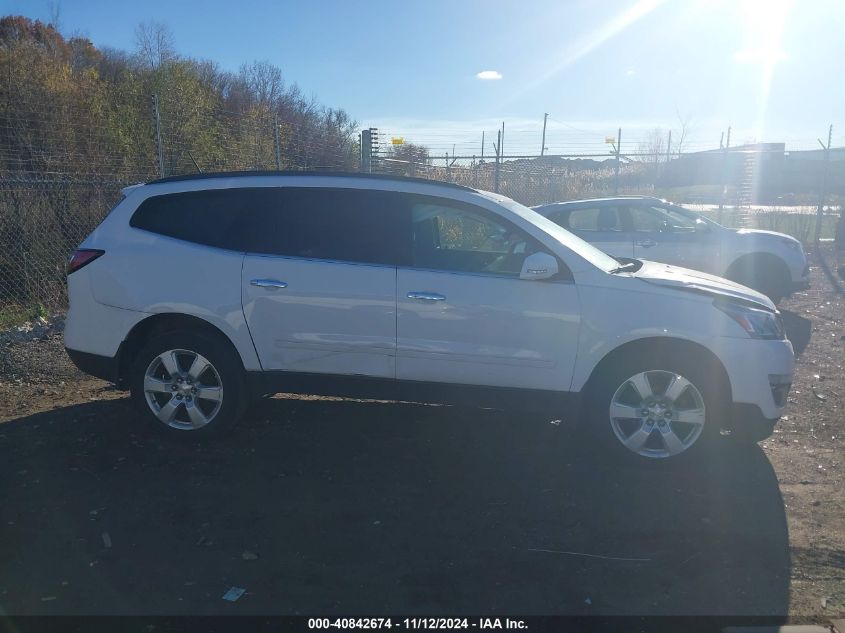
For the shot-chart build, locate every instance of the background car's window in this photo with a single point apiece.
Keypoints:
(352, 225)
(457, 239)
(594, 219)
(659, 219)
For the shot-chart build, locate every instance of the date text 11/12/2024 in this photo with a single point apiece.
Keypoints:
(416, 623)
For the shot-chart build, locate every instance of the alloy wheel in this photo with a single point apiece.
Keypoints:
(183, 389)
(657, 414)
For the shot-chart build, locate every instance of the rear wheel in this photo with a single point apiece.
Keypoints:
(188, 384)
(660, 410)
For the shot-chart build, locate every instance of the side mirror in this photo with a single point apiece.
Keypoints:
(539, 266)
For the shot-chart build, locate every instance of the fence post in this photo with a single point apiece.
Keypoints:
(823, 192)
(27, 283)
(618, 157)
(277, 144)
(498, 147)
(159, 149)
(724, 174)
(366, 151)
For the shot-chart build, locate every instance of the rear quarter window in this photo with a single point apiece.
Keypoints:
(224, 218)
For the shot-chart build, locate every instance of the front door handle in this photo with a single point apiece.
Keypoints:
(426, 296)
(268, 283)
(647, 243)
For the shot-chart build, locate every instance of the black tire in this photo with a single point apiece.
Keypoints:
(766, 275)
(226, 373)
(663, 363)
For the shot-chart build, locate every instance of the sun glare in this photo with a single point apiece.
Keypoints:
(763, 24)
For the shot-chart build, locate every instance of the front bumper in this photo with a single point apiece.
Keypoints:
(759, 372)
(749, 423)
(803, 283)
(798, 286)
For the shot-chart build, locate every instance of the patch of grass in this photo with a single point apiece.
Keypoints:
(10, 316)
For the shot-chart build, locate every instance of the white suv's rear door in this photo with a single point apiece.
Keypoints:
(465, 316)
(320, 297)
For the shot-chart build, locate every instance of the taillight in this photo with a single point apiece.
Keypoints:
(82, 257)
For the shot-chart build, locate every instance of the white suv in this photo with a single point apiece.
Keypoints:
(650, 228)
(199, 293)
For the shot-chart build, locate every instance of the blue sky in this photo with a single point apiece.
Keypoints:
(768, 68)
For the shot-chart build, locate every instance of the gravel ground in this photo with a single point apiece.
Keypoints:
(354, 507)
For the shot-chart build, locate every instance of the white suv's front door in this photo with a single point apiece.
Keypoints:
(321, 295)
(465, 316)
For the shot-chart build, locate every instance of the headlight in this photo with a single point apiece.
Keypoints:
(758, 323)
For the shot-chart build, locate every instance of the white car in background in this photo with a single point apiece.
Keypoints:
(649, 228)
(199, 293)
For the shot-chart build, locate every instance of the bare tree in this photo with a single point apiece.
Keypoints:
(154, 43)
(653, 147)
(684, 123)
(55, 8)
(264, 80)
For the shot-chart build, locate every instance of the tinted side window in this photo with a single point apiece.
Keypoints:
(594, 219)
(354, 225)
(215, 217)
(449, 236)
(660, 219)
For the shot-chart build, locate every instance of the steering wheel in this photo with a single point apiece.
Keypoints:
(496, 264)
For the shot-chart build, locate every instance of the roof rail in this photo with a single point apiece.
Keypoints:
(333, 174)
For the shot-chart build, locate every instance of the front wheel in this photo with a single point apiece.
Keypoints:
(767, 276)
(188, 384)
(657, 410)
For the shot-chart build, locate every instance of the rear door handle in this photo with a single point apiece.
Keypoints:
(647, 243)
(426, 296)
(268, 283)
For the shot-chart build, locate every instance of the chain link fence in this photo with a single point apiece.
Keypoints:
(758, 185)
(52, 196)
(62, 169)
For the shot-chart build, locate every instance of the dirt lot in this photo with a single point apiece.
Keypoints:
(325, 506)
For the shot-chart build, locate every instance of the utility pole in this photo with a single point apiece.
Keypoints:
(823, 192)
(277, 143)
(543, 143)
(618, 157)
(159, 149)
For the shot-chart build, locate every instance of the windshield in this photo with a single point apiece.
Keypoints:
(574, 243)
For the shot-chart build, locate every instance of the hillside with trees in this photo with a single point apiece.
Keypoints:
(78, 123)
(67, 106)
